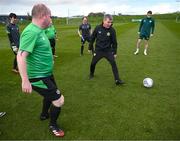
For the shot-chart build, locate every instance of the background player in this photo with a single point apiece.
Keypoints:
(106, 46)
(13, 34)
(84, 33)
(146, 30)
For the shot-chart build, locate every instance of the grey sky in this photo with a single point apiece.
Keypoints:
(83, 7)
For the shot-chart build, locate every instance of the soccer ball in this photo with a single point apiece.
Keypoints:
(148, 82)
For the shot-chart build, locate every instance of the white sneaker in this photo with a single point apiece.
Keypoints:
(145, 53)
(136, 52)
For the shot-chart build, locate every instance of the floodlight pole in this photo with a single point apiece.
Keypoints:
(67, 19)
(178, 2)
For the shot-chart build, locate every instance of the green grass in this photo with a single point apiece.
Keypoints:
(97, 109)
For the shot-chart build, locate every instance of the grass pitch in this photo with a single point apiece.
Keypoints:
(97, 109)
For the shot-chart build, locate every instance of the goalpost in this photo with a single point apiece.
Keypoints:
(74, 17)
(178, 18)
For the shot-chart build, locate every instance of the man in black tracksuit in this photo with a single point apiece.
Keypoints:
(106, 46)
(14, 38)
(84, 32)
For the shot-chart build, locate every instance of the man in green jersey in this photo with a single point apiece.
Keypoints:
(146, 30)
(35, 62)
(51, 34)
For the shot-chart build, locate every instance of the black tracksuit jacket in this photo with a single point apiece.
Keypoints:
(105, 39)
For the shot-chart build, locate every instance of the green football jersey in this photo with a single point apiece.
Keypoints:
(40, 60)
(147, 26)
(50, 32)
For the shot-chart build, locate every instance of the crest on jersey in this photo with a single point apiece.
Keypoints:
(58, 91)
(108, 34)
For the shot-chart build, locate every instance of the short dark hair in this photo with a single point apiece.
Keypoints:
(12, 15)
(84, 17)
(108, 16)
(149, 12)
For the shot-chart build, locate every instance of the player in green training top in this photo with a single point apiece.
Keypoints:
(51, 34)
(146, 30)
(35, 62)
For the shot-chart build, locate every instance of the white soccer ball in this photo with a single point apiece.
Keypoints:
(148, 82)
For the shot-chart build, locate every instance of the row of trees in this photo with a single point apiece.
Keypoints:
(98, 14)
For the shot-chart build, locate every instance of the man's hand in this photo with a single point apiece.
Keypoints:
(26, 86)
(115, 56)
(82, 37)
(14, 48)
(21, 59)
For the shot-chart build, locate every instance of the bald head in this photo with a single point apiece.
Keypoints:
(40, 10)
(41, 15)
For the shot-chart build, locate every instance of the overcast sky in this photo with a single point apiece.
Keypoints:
(83, 7)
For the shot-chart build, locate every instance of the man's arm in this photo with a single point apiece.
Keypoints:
(12, 44)
(79, 31)
(141, 24)
(55, 33)
(90, 29)
(153, 26)
(8, 31)
(93, 37)
(21, 59)
(114, 43)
